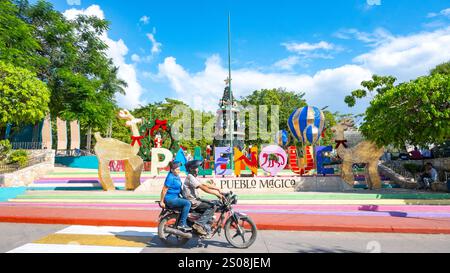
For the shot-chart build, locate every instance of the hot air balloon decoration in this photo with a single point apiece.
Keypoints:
(282, 138)
(307, 124)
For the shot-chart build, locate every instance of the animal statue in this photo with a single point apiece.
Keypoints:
(108, 149)
(365, 152)
(274, 160)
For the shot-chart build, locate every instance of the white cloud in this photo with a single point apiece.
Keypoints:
(307, 51)
(156, 46)
(145, 20)
(135, 58)
(202, 90)
(73, 2)
(302, 48)
(93, 10)
(378, 37)
(444, 12)
(408, 57)
(288, 63)
(374, 2)
(117, 51)
(405, 57)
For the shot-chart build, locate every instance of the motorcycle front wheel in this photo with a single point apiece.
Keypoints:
(242, 233)
(168, 238)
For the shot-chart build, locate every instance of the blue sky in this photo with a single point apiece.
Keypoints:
(325, 48)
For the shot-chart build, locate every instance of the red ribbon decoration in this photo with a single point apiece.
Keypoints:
(341, 142)
(159, 124)
(323, 132)
(137, 139)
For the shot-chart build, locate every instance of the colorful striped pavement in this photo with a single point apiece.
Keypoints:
(92, 239)
(74, 197)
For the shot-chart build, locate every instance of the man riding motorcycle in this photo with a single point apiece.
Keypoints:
(191, 193)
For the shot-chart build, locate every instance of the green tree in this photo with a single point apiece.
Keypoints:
(378, 85)
(287, 101)
(82, 79)
(415, 112)
(441, 69)
(18, 45)
(23, 97)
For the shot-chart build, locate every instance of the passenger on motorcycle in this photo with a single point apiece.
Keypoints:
(171, 196)
(190, 192)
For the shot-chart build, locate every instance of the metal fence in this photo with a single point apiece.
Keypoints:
(74, 153)
(9, 168)
(27, 145)
(397, 167)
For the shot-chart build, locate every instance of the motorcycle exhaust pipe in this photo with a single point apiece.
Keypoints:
(178, 233)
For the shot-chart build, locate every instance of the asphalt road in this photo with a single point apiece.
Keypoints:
(16, 235)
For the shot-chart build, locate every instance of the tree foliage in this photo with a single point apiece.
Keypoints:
(23, 97)
(378, 84)
(287, 101)
(18, 45)
(443, 69)
(68, 55)
(415, 112)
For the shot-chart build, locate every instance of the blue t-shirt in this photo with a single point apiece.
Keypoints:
(174, 185)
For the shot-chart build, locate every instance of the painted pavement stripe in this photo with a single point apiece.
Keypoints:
(96, 240)
(78, 180)
(110, 231)
(52, 248)
(281, 207)
(71, 185)
(262, 196)
(84, 188)
(254, 202)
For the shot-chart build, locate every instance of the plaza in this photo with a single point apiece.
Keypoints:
(86, 152)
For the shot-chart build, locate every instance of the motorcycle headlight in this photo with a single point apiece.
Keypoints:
(234, 201)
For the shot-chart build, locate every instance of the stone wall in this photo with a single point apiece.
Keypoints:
(263, 185)
(440, 164)
(409, 183)
(27, 176)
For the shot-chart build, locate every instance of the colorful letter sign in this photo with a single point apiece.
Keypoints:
(223, 161)
(321, 159)
(273, 159)
(241, 161)
(156, 164)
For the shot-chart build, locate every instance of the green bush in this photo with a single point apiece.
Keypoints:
(413, 168)
(5, 149)
(19, 157)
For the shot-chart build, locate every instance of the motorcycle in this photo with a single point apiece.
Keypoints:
(240, 230)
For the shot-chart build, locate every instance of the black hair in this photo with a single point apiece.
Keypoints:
(174, 165)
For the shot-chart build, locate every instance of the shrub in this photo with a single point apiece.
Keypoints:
(413, 168)
(19, 157)
(5, 149)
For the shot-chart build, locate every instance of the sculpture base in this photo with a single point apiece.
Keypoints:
(255, 185)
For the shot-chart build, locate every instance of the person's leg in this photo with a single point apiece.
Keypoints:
(182, 204)
(427, 180)
(208, 210)
(421, 182)
(185, 212)
(207, 214)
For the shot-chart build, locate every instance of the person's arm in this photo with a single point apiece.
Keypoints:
(434, 175)
(163, 196)
(213, 186)
(207, 189)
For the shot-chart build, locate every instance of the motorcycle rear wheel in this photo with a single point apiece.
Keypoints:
(168, 238)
